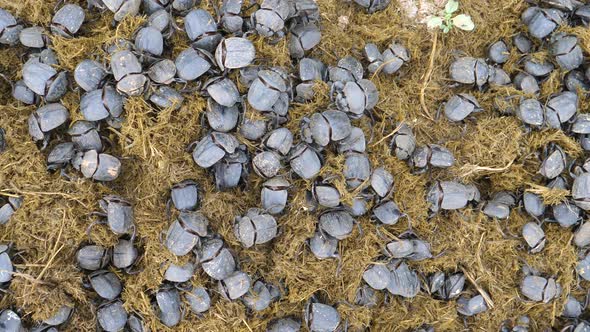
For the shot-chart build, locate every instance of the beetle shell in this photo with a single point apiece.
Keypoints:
(223, 91)
(106, 284)
(280, 140)
(329, 126)
(581, 191)
(85, 135)
(265, 90)
(355, 142)
(377, 276)
(221, 118)
(565, 104)
(270, 18)
(101, 104)
(468, 70)
(9, 29)
(123, 8)
(326, 195)
(201, 28)
(274, 195)
(543, 21)
(213, 147)
(169, 307)
(303, 38)
(234, 53)
(112, 316)
(460, 106)
(323, 246)
(582, 235)
(179, 273)
(37, 76)
(568, 54)
(472, 306)
(47, 118)
(61, 155)
(230, 15)
(235, 285)
(159, 19)
(255, 228)
(185, 195)
(67, 20)
(33, 37)
(216, 260)
(357, 169)
(554, 164)
(337, 224)
(531, 112)
(284, 325)
(124, 254)
(119, 214)
(9, 208)
(387, 213)
(394, 57)
(583, 268)
(62, 315)
(348, 69)
(22, 93)
(149, 40)
(499, 52)
(192, 64)
(322, 317)
(534, 236)
(260, 296)
(527, 83)
(92, 257)
(572, 308)
(166, 97)
(533, 204)
(404, 282)
(198, 299)
(539, 289)
(305, 161)
(6, 267)
(184, 233)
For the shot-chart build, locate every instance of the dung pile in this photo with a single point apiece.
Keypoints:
(178, 165)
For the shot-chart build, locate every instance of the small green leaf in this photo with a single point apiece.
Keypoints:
(463, 22)
(434, 22)
(451, 6)
(446, 29)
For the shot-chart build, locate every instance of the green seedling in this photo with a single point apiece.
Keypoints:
(446, 21)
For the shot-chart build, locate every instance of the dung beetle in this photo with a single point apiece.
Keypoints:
(471, 306)
(336, 223)
(394, 57)
(231, 170)
(85, 136)
(450, 195)
(33, 37)
(564, 104)
(285, 324)
(67, 20)
(253, 129)
(280, 140)
(231, 20)
(373, 56)
(572, 307)
(555, 162)
(310, 70)
(124, 254)
(97, 166)
(460, 106)
(261, 295)
(61, 156)
(234, 53)
(162, 21)
(106, 284)
(60, 317)
(403, 142)
(404, 282)
(387, 213)
(582, 235)
(499, 52)
(6, 266)
(9, 29)
(179, 273)
(111, 316)
(355, 142)
(305, 161)
(366, 296)
(201, 29)
(44, 80)
(355, 97)
(223, 91)
(432, 154)
(168, 306)
(221, 118)
(105, 103)
(303, 38)
(527, 83)
(538, 68)
(118, 212)
(89, 75)
(540, 289)
(135, 323)
(215, 259)
(468, 70)
(9, 207)
(566, 214)
(165, 97)
(185, 232)
(45, 119)
(274, 195)
(581, 191)
(256, 227)
(533, 204)
(323, 246)
(373, 6)
(347, 69)
(149, 40)
(266, 89)
(534, 236)
(575, 80)
(213, 147)
(128, 73)
(234, 286)
(320, 317)
(531, 112)
(357, 169)
(542, 22)
(22, 93)
(582, 124)
(568, 54)
(193, 63)
(325, 194)
(329, 126)
(446, 286)
(583, 268)
(499, 206)
(185, 195)
(269, 19)
(198, 300)
(92, 257)
(408, 247)
(377, 276)
(122, 8)
(267, 164)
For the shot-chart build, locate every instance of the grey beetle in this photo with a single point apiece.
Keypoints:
(6, 266)
(373, 6)
(460, 106)
(403, 142)
(255, 228)
(377, 276)
(321, 317)
(124, 254)
(572, 307)
(128, 73)
(267, 164)
(253, 129)
(433, 155)
(234, 286)
(280, 140)
(540, 289)
(499, 52)
(221, 118)
(310, 70)
(216, 260)
(198, 300)
(92, 257)
(185, 232)
(329, 126)
(542, 22)
(534, 236)
(270, 18)
(179, 273)
(404, 282)
(122, 8)
(323, 246)
(9, 207)
(582, 235)
(499, 206)
(568, 54)
(583, 268)
(60, 317)
(274, 195)
(347, 69)
(304, 11)
(450, 195)
(118, 212)
(213, 147)
(135, 323)
(575, 80)
(554, 164)
(582, 124)
(234, 53)
(356, 97)
(231, 20)
(394, 57)
(106, 284)
(89, 74)
(168, 306)
(231, 170)
(387, 213)
(44, 80)
(446, 286)
(99, 167)
(112, 316)
(531, 112)
(357, 169)
(149, 40)
(468, 70)
(355, 142)
(538, 68)
(564, 104)
(303, 38)
(533, 204)
(9, 29)
(373, 56)
(201, 29)
(185, 195)
(527, 83)
(33, 37)
(266, 89)
(409, 247)
(85, 136)
(22, 93)
(45, 119)
(285, 324)
(101, 104)
(337, 224)
(67, 20)
(166, 97)
(366, 296)
(192, 64)
(325, 194)
(305, 161)
(261, 295)
(581, 191)
(61, 156)
(162, 21)
(223, 91)
(471, 306)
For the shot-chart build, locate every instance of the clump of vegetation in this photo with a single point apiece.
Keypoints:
(446, 21)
